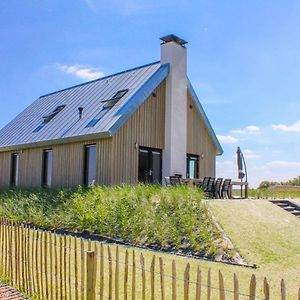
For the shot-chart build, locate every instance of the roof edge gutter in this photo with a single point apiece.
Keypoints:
(53, 142)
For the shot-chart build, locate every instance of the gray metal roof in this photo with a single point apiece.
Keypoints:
(66, 125)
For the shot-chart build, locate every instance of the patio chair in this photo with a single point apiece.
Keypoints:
(203, 185)
(175, 180)
(217, 188)
(225, 189)
(210, 187)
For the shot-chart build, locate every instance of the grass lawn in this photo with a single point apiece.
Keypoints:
(265, 235)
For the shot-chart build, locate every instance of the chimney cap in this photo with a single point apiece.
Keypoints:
(173, 38)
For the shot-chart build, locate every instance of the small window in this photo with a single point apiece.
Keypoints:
(90, 165)
(102, 113)
(192, 163)
(118, 95)
(49, 117)
(47, 168)
(14, 178)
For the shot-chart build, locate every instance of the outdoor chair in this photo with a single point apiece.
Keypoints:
(217, 188)
(203, 185)
(225, 189)
(210, 187)
(175, 180)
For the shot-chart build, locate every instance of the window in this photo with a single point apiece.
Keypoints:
(49, 117)
(90, 165)
(192, 163)
(118, 95)
(102, 113)
(14, 178)
(47, 168)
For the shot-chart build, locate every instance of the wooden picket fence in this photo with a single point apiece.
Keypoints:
(46, 265)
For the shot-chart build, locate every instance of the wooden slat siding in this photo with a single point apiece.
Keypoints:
(199, 140)
(30, 168)
(146, 128)
(5, 161)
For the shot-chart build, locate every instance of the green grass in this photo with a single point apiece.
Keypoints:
(266, 235)
(174, 217)
(273, 194)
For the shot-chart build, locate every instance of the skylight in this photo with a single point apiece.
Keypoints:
(49, 117)
(108, 104)
(102, 113)
(117, 96)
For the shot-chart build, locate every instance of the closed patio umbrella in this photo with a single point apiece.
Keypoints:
(241, 165)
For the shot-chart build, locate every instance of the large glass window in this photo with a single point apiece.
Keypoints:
(14, 178)
(90, 165)
(47, 168)
(192, 162)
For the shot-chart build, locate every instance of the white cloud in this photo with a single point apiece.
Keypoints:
(251, 129)
(227, 139)
(287, 128)
(81, 72)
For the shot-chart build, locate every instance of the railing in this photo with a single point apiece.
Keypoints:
(52, 266)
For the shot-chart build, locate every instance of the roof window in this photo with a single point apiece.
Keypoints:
(108, 104)
(49, 117)
(117, 96)
(102, 113)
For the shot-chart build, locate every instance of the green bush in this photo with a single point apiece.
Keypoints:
(172, 217)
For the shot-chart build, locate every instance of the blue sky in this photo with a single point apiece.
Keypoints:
(243, 60)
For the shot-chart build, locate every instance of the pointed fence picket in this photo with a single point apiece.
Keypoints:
(52, 266)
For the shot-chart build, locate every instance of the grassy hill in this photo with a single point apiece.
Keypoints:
(263, 233)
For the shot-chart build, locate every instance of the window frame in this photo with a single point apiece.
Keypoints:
(194, 157)
(14, 169)
(87, 164)
(45, 168)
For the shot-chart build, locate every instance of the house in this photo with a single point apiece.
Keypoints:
(138, 125)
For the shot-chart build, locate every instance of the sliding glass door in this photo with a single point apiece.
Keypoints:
(150, 165)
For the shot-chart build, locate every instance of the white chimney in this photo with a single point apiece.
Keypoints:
(173, 52)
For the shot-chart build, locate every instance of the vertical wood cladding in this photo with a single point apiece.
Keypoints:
(199, 141)
(144, 128)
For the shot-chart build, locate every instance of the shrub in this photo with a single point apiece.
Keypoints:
(171, 217)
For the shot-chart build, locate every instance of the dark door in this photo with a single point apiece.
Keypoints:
(150, 163)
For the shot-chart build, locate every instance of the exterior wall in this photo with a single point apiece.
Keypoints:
(199, 141)
(144, 128)
(117, 159)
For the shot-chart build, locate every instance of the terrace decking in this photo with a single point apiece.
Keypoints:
(288, 206)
